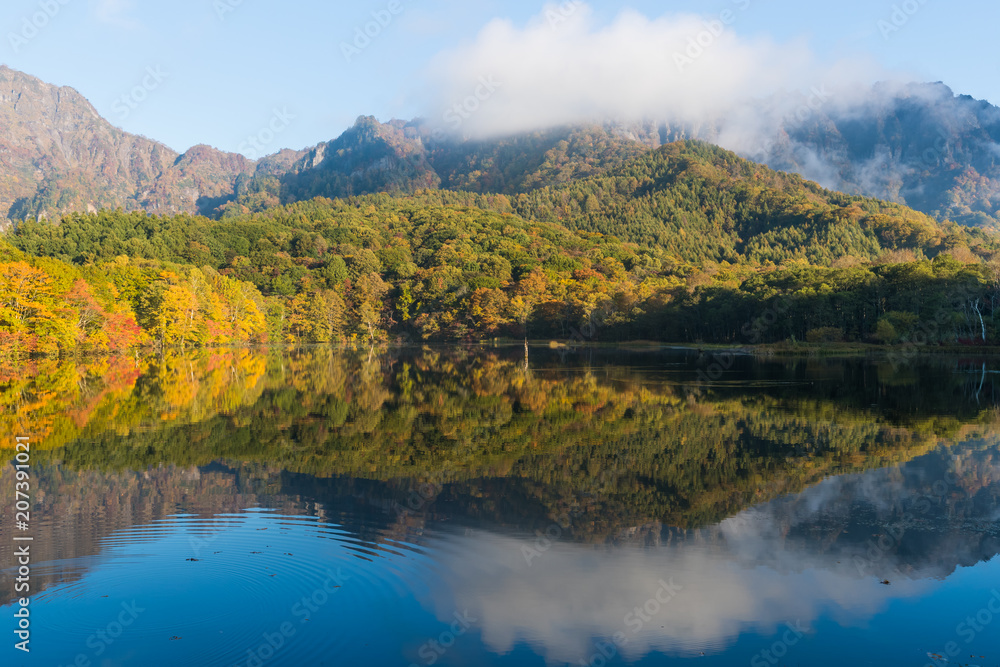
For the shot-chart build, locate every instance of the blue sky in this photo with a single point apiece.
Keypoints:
(222, 69)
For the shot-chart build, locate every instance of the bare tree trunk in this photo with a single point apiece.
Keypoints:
(981, 381)
(975, 307)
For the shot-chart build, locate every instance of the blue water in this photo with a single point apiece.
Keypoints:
(277, 589)
(226, 565)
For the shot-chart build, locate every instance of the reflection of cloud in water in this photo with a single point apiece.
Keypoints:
(793, 559)
(920, 520)
(572, 594)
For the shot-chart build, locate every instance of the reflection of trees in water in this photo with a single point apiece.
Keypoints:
(627, 450)
(978, 381)
(56, 402)
(618, 437)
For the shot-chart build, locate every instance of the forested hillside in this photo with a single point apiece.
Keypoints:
(404, 158)
(699, 202)
(687, 243)
(333, 270)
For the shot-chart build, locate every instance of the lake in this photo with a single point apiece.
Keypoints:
(449, 506)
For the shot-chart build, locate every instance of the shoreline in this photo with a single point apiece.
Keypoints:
(783, 349)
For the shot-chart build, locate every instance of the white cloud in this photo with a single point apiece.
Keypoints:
(563, 68)
(743, 582)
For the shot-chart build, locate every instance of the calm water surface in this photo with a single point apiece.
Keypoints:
(453, 507)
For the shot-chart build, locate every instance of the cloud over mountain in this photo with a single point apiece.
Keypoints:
(564, 68)
(699, 77)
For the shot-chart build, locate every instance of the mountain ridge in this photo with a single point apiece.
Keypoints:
(58, 154)
(919, 145)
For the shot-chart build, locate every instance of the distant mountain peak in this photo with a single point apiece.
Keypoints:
(916, 143)
(58, 154)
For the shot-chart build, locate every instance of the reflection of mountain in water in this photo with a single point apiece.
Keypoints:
(919, 520)
(797, 559)
(628, 446)
(76, 512)
(623, 437)
(923, 519)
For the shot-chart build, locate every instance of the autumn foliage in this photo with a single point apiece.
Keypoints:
(42, 310)
(51, 308)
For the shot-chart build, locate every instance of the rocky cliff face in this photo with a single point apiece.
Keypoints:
(919, 145)
(57, 154)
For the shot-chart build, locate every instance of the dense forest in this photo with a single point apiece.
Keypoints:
(688, 243)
